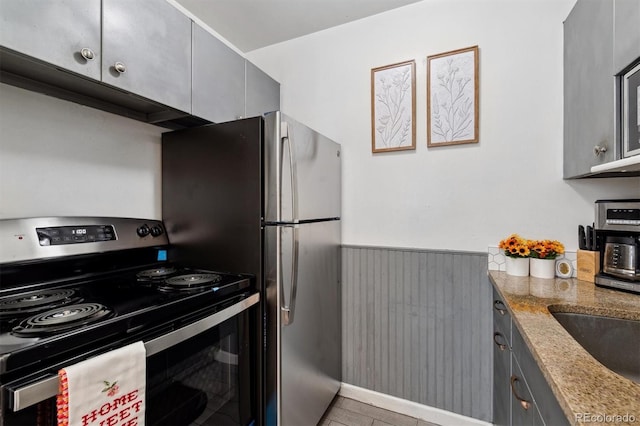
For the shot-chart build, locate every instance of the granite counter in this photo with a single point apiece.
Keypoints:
(587, 391)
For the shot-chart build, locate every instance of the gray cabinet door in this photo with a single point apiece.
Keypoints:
(523, 408)
(54, 32)
(218, 79)
(152, 41)
(588, 87)
(547, 405)
(626, 39)
(501, 361)
(501, 391)
(262, 92)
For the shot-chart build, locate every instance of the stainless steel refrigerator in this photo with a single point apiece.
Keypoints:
(262, 196)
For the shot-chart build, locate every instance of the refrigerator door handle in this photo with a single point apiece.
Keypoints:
(288, 310)
(293, 169)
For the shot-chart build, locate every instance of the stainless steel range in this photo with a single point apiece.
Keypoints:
(72, 288)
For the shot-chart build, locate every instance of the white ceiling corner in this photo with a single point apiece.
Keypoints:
(253, 24)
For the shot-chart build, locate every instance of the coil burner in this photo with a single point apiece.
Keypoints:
(155, 274)
(36, 301)
(190, 282)
(62, 319)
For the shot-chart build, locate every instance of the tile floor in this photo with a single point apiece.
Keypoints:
(349, 412)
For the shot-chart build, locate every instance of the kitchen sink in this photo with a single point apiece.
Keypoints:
(614, 342)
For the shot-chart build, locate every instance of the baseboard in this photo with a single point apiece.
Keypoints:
(409, 408)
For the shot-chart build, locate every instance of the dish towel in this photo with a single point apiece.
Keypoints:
(107, 390)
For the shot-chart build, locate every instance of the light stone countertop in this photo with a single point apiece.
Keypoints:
(580, 383)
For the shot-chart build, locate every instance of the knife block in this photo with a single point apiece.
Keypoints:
(588, 265)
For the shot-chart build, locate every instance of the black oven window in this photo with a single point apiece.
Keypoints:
(206, 380)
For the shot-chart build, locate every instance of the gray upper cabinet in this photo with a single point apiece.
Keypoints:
(626, 41)
(143, 59)
(589, 137)
(218, 79)
(262, 92)
(146, 49)
(57, 32)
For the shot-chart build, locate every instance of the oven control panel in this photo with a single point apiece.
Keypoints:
(59, 235)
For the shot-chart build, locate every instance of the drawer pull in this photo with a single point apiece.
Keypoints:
(523, 402)
(498, 305)
(502, 346)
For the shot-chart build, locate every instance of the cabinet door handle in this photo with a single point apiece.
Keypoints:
(523, 402)
(502, 346)
(498, 305)
(597, 150)
(119, 66)
(87, 54)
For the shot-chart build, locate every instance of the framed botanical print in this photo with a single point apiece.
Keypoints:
(452, 97)
(393, 107)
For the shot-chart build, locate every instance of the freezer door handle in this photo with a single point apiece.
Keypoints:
(288, 309)
(293, 168)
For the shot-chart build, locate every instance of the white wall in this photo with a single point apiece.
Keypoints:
(61, 158)
(465, 197)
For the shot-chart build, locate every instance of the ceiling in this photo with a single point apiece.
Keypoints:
(252, 24)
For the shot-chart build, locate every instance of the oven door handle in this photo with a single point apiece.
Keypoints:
(180, 335)
(39, 391)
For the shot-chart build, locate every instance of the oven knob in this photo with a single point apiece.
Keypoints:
(156, 231)
(143, 231)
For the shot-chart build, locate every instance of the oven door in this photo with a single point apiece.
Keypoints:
(202, 373)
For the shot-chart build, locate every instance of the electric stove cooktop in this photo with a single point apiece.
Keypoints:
(46, 321)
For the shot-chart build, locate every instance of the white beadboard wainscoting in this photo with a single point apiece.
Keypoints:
(417, 325)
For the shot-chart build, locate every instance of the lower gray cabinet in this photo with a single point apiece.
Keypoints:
(524, 410)
(501, 362)
(546, 404)
(521, 395)
(501, 391)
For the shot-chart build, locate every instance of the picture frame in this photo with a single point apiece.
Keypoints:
(453, 97)
(393, 107)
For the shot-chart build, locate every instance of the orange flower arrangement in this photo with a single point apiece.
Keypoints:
(515, 246)
(545, 249)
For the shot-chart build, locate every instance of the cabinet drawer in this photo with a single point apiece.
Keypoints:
(501, 318)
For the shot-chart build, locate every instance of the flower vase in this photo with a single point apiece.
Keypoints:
(517, 266)
(543, 268)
